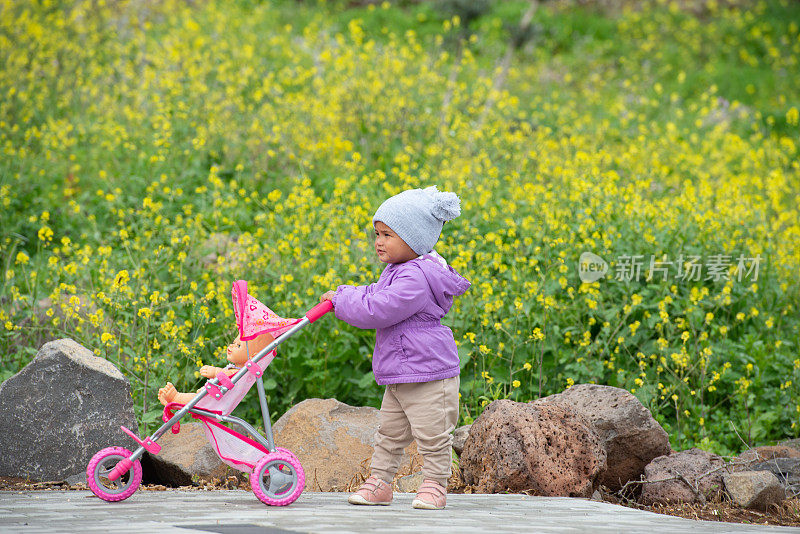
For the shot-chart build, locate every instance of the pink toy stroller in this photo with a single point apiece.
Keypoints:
(276, 476)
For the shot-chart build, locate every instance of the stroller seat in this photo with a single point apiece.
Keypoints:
(233, 448)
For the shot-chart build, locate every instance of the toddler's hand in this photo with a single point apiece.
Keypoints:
(327, 296)
(209, 371)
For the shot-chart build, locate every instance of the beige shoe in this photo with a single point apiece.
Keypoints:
(373, 491)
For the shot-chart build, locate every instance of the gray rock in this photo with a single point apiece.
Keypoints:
(630, 434)
(754, 489)
(699, 468)
(786, 470)
(187, 457)
(460, 437)
(58, 411)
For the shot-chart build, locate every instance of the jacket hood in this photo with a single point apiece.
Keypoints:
(444, 281)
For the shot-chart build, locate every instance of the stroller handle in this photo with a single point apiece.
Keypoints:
(319, 310)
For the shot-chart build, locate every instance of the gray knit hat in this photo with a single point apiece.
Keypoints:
(417, 216)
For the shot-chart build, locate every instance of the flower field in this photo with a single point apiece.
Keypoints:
(154, 152)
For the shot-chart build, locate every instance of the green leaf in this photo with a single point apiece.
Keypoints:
(463, 356)
(270, 384)
(366, 380)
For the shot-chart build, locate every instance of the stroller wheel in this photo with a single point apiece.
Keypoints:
(287, 451)
(278, 479)
(99, 469)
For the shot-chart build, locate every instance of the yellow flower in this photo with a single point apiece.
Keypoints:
(22, 258)
(121, 279)
(527, 366)
(792, 116)
(106, 338)
(515, 383)
(45, 234)
(145, 312)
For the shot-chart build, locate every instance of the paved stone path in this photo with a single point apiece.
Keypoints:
(239, 512)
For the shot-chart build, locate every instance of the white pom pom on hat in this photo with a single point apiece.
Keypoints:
(446, 205)
(417, 215)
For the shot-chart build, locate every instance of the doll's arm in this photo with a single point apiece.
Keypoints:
(169, 394)
(209, 371)
(401, 299)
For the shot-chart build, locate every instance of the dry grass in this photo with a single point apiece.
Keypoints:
(786, 514)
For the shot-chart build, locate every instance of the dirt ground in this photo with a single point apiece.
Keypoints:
(787, 514)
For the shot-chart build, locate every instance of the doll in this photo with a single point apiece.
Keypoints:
(257, 326)
(237, 355)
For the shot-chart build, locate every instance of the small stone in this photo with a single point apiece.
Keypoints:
(793, 443)
(786, 470)
(754, 489)
(409, 483)
(460, 437)
(697, 466)
(765, 452)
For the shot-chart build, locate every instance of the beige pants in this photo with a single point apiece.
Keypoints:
(426, 412)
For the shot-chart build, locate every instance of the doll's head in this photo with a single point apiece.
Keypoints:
(237, 351)
(416, 217)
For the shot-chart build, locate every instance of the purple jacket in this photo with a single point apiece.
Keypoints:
(405, 306)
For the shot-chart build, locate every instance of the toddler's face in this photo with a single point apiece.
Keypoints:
(390, 247)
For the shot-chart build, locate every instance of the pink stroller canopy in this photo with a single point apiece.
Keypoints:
(253, 318)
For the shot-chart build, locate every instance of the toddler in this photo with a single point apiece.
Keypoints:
(415, 355)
